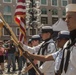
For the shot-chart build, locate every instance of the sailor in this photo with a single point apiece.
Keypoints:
(45, 48)
(71, 24)
(62, 38)
(33, 41)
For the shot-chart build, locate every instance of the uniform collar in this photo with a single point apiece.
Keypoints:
(50, 40)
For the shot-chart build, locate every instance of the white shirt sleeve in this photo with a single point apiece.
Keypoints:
(55, 54)
(32, 49)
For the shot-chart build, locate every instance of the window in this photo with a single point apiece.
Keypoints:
(43, 11)
(8, 18)
(73, 1)
(44, 20)
(32, 31)
(17, 31)
(5, 33)
(7, 9)
(64, 2)
(64, 12)
(54, 2)
(7, 1)
(54, 20)
(54, 12)
(43, 2)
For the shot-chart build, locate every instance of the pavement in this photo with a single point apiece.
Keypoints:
(10, 73)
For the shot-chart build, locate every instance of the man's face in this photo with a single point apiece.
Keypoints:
(61, 42)
(71, 20)
(45, 35)
(35, 42)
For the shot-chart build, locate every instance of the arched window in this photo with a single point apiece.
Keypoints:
(43, 11)
(7, 9)
(54, 12)
(64, 12)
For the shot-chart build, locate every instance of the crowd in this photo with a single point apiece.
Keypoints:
(51, 56)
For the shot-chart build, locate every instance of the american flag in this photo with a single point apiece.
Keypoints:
(19, 17)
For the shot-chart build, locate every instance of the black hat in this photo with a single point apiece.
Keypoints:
(46, 29)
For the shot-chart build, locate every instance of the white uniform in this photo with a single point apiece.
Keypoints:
(48, 66)
(57, 57)
(72, 63)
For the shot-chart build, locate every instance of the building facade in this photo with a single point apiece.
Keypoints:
(7, 8)
(51, 11)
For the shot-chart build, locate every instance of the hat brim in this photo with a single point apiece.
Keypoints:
(60, 37)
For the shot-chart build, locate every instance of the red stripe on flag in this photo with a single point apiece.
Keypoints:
(17, 20)
(23, 20)
(19, 13)
(20, 6)
(23, 1)
(21, 37)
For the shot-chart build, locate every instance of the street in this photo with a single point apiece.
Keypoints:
(10, 73)
(6, 73)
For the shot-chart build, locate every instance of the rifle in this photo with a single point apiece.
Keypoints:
(15, 40)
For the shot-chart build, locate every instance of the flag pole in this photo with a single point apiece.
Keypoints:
(1, 26)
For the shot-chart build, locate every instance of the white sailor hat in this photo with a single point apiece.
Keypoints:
(46, 29)
(63, 34)
(71, 8)
(35, 37)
